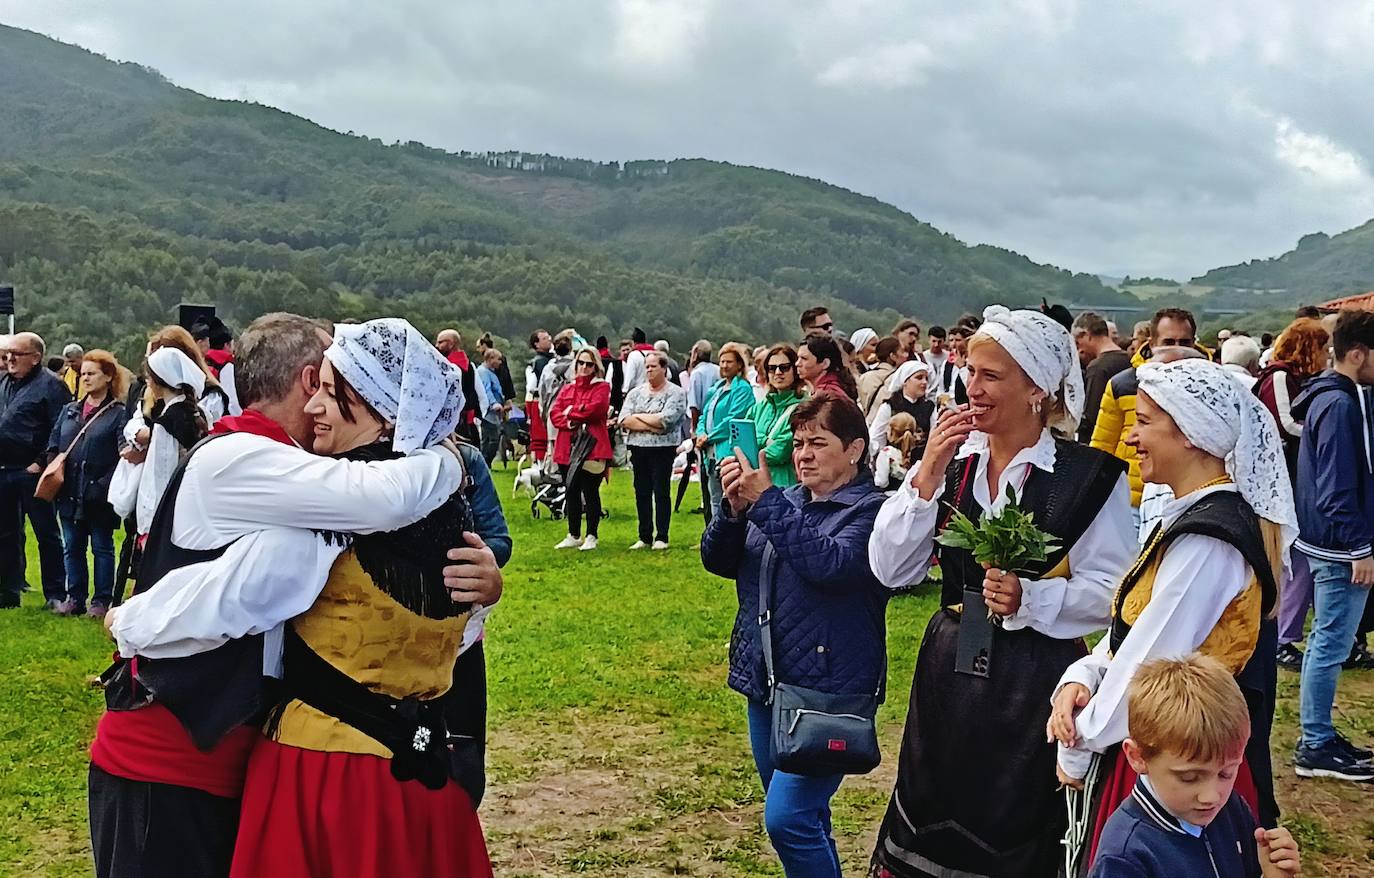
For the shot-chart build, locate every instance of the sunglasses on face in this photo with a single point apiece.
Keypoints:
(587, 363)
(779, 367)
(825, 327)
(1175, 342)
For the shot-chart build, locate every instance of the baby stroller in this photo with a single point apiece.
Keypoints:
(551, 493)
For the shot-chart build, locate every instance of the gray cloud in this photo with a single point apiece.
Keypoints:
(1096, 136)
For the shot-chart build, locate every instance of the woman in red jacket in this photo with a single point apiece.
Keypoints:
(583, 404)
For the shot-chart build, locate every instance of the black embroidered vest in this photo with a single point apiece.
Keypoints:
(212, 692)
(1223, 515)
(1065, 503)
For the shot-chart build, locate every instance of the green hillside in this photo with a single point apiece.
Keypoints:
(121, 195)
(1321, 267)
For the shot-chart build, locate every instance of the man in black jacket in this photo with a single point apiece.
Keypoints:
(31, 398)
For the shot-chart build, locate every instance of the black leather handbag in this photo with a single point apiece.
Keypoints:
(813, 732)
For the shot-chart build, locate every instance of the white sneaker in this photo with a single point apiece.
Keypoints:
(660, 545)
(588, 544)
(639, 544)
(569, 542)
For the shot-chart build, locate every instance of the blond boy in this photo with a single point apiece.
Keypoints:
(1188, 727)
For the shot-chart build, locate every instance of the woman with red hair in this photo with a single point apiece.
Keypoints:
(88, 432)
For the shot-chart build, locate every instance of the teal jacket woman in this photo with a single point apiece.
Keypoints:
(772, 418)
(729, 399)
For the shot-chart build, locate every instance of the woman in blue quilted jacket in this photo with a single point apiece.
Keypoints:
(827, 607)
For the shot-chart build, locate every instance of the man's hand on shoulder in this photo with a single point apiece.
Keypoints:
(475, 578)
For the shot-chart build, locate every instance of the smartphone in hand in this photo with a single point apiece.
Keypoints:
(744, 436)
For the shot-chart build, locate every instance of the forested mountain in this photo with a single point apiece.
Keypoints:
(1321, 267)
(122, 194)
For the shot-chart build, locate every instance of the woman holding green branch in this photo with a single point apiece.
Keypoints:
(968, 799)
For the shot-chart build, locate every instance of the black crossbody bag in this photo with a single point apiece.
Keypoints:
(814, 733)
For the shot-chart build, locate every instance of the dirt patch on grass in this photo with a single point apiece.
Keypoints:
(639, 800)
(616, 798)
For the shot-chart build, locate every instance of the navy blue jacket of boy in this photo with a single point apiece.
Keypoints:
(1142, 840)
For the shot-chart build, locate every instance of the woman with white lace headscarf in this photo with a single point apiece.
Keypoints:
(969, 798)
(906, 394)
(1206, 577)
(367, 667)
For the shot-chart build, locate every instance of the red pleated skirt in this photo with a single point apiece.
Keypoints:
(1118, 779)
(342, 815)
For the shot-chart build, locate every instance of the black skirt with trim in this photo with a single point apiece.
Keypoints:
(976, 793)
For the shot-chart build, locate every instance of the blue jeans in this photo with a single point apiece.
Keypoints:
(796, 810)
(710, 478)
(75, 535)
(1339, 604)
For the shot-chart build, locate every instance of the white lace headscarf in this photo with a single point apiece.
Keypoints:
(1218, 415)
(905, 371)
(401, 375)
(861, 337)
(1045, 352)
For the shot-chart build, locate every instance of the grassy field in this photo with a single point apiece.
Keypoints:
(615, 747)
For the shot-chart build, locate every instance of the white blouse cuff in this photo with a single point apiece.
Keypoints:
(1075, 761)
(1035, 601)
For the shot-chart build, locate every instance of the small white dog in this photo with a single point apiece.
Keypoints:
(530, 480)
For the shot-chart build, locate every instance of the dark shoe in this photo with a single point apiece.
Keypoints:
(1359, 660)
(9, 601)
(1359, 753)
(71, 608)
(1330, 760)
(97, 611)
(1289, 657)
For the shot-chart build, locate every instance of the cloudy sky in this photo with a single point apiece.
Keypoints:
(1099, 136)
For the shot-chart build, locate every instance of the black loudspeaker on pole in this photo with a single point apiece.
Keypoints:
(7, 305)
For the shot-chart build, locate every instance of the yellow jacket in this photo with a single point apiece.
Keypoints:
(72, 379)
(1142, 356)
(1115, 420)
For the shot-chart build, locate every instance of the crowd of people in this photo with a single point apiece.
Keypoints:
(315, 544)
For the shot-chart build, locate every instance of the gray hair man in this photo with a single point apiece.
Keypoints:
(31, 398)
(1240, 355)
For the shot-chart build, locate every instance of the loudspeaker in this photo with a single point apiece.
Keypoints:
(189, 315)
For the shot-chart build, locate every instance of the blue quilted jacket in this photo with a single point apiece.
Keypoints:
(829, 630)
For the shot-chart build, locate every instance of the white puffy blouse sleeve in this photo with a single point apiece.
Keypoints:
(1197, 579)
(244, 483)
(1079, 604)
(903, 537)
(262, 580)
